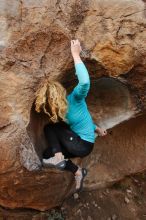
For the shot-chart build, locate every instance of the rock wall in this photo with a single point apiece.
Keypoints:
(34, 44)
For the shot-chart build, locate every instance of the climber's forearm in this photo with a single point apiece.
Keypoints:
(81, 70)
(77, 58)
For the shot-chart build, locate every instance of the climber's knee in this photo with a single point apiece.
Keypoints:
(86, 152)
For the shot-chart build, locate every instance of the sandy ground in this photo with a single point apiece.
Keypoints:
(125, 200)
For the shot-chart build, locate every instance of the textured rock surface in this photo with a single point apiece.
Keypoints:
(35, 43)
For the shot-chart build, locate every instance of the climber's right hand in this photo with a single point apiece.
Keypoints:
(75, 48)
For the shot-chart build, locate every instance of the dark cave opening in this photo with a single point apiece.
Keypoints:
(36, 132)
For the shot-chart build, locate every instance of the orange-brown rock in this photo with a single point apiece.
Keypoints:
(35, 43)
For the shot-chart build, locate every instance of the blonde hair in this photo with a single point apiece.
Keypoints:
(51, 99)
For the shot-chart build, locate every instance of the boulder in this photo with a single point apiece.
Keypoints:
(35, 44)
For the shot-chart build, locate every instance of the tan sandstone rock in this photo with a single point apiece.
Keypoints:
(35, 43)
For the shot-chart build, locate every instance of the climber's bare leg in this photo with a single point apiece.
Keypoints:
(79, 177)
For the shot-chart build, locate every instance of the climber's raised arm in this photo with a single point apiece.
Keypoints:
(81, 90)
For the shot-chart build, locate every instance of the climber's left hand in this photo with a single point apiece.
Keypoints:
(101, 131)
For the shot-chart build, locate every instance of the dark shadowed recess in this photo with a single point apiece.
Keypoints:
(136, 80)
(110, 101)
(35, 130)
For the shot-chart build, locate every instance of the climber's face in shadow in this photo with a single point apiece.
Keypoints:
(51, 99)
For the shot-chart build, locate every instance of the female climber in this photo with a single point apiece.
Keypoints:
(71, 131)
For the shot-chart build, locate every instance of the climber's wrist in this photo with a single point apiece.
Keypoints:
(97, 129)
(77, 58)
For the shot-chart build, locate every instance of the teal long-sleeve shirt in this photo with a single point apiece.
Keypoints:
(78, 116)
